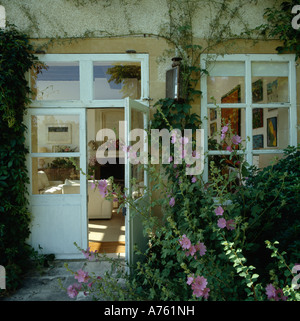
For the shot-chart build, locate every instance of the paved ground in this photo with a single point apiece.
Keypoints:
(43, 285)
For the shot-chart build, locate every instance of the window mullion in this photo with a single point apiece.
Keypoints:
(204, 116)
(86, 81)
(293, 109)
(248, 125)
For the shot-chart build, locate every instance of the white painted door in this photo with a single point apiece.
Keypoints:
(57, 190)
(136, 117)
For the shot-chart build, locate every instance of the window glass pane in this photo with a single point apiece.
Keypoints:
(117, 80)
(58, 81)
(54, 133)
(225, 90)
(263, 160)
(53, 175)
(226, 82)
(234, 119)
(270, 128)
(269, 82)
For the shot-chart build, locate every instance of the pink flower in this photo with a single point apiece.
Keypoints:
(230, 225)
(201, 248)
(236, 139)
(196, 154)
(205, 293)
(222, 136)
(229, 148)
(185, 242)
(102, 185)
(90, 255)
(184, 140)
(170, 159)
(199, 285)
(190, 280)
(224, 129)
(173, 139)
(194, 179)
(221, 222)
(73, 290)
(272, 293)
(172, 201)
(82, 276)
(219, 210)
(191, 251)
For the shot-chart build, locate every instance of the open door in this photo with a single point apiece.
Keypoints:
(57, 191)
(136, 180)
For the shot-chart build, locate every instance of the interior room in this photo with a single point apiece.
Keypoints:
(106, 229)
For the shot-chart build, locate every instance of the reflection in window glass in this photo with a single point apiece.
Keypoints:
(53, 175)
(58, 81)
(234, 118)
(226, 82)
(54, 133)
(270, 82)
(117, 80)
(270, 128)
(226, 90)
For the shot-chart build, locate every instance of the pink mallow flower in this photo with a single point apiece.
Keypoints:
(219, 210)
(272, 293)
(224, 129)
(73, 290)
(199, 285)
(236, 139)
(172, 201)
(102, 185)
(194, 179)
(221, 222)
(185, 242)
(90, 255)
(82, 276)
(201, 248)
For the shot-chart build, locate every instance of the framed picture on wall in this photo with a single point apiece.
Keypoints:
(213, 114)
(59, 134)
(257, 118)
(258, 141)
(232, 115)
(272, 132)
(257, 91)
(213, 128)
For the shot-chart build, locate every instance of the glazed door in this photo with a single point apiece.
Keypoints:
(57, 189)
(136, 181)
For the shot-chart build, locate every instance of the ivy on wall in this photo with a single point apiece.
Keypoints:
(16, 59)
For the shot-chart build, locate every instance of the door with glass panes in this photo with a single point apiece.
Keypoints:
(58, 189)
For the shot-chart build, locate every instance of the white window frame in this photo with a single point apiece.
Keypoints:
(248, 105)
(86, 79)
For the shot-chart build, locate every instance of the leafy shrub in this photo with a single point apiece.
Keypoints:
(15, 60)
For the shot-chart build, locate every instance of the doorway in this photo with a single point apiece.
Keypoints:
(106, 223)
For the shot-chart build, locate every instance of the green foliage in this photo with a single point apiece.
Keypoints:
(270, 204)
(15, 60)
(279, 26)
